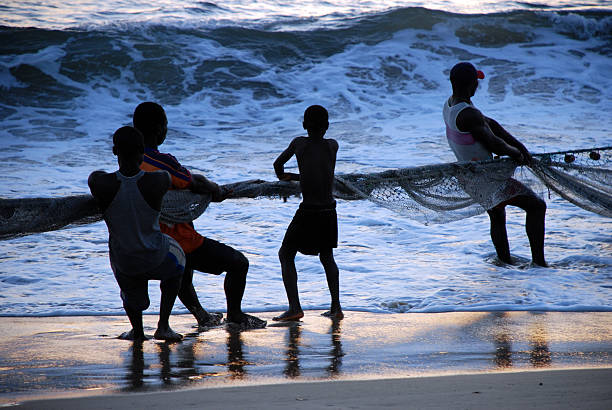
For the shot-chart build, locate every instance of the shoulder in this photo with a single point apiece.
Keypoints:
(332, 143)
(159, 178)
(103, 186)
(98, 177)
(166, 158)
(299, 141)
(470, 118)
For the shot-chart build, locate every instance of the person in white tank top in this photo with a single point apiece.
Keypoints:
(474, 137)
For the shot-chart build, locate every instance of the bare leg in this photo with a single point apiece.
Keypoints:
(287, 261)
(189, 298)
(234, 285)
(169, 290)
(331, 271)
(499, 235)
(535, 209)
(137, 332)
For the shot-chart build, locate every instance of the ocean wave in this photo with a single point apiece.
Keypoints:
(174, 62)
(583, 26)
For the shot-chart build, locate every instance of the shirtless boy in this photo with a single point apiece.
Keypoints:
(130, 200)
(314, 228)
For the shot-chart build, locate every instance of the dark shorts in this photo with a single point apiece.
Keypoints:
(135, 288)
(215, 257)
(313, 229)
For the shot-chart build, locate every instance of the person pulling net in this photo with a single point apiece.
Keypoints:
(429, 194)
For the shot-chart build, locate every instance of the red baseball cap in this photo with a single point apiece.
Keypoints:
(465, 72)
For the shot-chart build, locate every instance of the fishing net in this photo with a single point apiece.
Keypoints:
(430, 194)
(448, 192)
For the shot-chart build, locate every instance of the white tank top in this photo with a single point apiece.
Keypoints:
(135, 242)
(463, 144)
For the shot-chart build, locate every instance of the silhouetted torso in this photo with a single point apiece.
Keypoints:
(317, 161)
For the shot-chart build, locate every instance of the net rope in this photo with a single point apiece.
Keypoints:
(430, 194)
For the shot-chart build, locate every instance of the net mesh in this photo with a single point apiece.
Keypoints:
(448, 192)
(430, 194)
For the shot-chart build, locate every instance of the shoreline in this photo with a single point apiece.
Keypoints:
(79, 359)
(554, 389)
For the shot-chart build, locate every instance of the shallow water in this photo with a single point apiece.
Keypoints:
(235, 79)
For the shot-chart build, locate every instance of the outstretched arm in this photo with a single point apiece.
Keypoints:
(508, 138)
(202, 185)
(279, 164)
(473, 121)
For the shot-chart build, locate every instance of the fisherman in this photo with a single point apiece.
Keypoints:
(314, 228)
(203, 254)
(130, 200)
(474, 137)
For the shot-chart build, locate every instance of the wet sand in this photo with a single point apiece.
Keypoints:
(367, 360)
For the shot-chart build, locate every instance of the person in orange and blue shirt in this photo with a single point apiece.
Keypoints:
(202, 254)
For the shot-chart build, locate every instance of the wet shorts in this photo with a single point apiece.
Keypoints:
(313, 229)
(135, 288)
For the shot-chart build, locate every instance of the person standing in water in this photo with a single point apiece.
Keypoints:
(130, 200)
(474, 137)
(203, 254)
(314, 228)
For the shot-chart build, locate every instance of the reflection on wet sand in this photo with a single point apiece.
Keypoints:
(292, 370)
(336, 353)
(135, 368)
(84, 355)
(300, 349)
(539, 353)
(235, 356)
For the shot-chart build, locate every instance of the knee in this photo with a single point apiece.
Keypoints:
(497, 214)
(240, 263)
(541, 205)
(171, 285)
(537, 208)
(135, 303)
(285, 254)
(326, 257)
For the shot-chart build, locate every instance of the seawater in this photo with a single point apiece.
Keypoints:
(235, 78)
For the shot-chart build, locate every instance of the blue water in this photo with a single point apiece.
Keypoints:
(235, 78)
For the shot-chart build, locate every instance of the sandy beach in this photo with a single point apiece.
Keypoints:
(444, 360)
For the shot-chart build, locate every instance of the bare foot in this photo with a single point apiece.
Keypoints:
(245, 322)
(167, 334)
(334, 314)
(130, 335)
(207, 320)
(289, 316)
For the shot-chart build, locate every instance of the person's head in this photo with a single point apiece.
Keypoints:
(316, 121)
(464, 79)
(150, 119)
(128, 144)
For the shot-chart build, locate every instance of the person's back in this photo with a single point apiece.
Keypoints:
(130, 200)
(136, 243)
(314, 228)
(316, 161)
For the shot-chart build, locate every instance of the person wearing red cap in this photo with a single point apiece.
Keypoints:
(475, 137)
